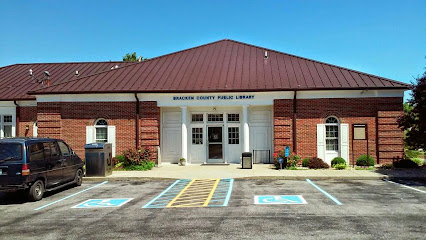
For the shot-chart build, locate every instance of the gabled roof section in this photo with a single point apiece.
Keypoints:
(15, 81)
(223, 66)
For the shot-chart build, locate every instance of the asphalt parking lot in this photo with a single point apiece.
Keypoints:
(369, 210)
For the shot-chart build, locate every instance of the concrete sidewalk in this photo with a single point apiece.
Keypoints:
(259, 171)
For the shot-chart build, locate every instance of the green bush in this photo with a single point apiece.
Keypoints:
(405, 163)
(339, 166)
(292, 160)
(365, 160)
(419, 161)
(412, 153)
(317, 163)
(134, 159)
(338, 160)
(305, 162)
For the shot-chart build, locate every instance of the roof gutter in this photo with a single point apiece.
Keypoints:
(18, 115)
(137, 121)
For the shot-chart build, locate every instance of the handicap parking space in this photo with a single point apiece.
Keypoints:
(194, 193)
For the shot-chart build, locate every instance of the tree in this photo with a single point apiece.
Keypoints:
(132, 58)
(414, 120)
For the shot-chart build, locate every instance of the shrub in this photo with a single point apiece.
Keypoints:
(305, 162)
(117, 159)
(387, 166)
(292, 160)
(339, 166)
(136, 157)
(338, 160)
(317, 163)
(365, 160)
(405, 163)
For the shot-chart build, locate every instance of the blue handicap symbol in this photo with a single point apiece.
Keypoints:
(280, 199)
(100, 203)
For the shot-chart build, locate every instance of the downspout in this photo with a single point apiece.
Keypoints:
(137, 121)
(18, 115)
(294, 121)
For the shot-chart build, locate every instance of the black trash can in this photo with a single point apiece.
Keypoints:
(98, 159)
(247, 160)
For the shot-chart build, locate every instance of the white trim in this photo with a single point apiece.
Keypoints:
(32, 103)
(260, 98)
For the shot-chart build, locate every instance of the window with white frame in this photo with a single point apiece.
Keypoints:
(215, 117)
(234, 135)
(233, 117)
(101, 130)
(332, 134)
(197, 136)
(6, 125)
(197, 117)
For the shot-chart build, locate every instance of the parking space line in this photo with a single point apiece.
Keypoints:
(211, 193)
(72, 195)
(324, 192)
(402, 185)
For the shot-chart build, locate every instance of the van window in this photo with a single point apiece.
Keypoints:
(10, 151)
(64, 149)
(36, 152)
(50, 149)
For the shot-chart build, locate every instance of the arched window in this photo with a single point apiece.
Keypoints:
(332, 134)
(101, 129)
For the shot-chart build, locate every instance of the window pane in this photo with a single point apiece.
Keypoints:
(233, 117)
(215, 118)
(234, 135)
(197, 117)
(101, 134)
(7, 131)
(332, 144)
(101, 122)
(197, 136)
(331, 120)
(36, 152)
(64, 149)
(7, 119)
(10, 151)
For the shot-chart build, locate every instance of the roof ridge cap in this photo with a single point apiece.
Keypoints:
(128, 65)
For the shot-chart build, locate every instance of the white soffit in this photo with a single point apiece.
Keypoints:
(217, 99)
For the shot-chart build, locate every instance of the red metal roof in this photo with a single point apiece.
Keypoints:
(15, 81)
(223, 66)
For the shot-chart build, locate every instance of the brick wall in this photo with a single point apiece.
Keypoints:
(283, 132)
(68, 121)
(28, 115)
(149, 129)
(311, 112)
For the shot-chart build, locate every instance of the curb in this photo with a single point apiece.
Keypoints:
(147, 179)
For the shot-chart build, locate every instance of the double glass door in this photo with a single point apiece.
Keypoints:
(215, 144)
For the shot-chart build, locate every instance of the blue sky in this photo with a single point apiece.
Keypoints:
(385, 38)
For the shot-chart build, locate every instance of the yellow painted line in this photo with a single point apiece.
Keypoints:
(211, 193)
(181, 192)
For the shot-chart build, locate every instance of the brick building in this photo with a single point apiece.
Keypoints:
(208, 104)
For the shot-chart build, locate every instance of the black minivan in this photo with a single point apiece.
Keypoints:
(36, 165)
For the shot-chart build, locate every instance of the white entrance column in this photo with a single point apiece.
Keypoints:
(246, 130)
(184, 133)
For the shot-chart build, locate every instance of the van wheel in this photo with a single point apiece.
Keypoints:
(79, 177)
(36, 191)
